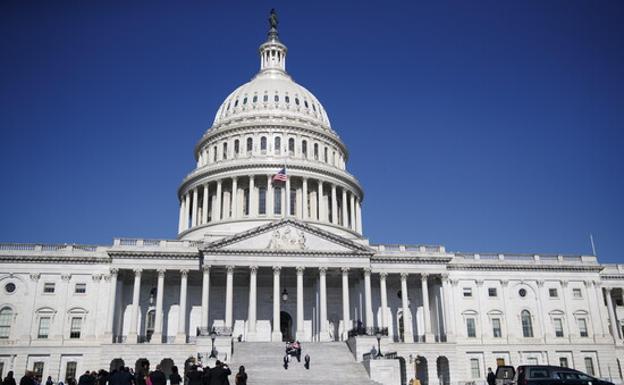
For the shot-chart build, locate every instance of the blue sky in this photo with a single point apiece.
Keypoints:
(481, 125)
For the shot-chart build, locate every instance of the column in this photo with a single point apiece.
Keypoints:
(234, 197)
(253, 212)
(446, 302)
(251, 318)
(194, 213)
(426, 308)
(217, 209)
(544, 318)
(304, 199)
(300, 317)
(181, 337)
(346, 322)
(323, 303)
(358, 214)
(277, 333)
(287, 196)
(369, 323)
(612, 319)
(598, 300)
(229, 288)
(334, 205)
(187, 204)
(134, 312)
(384, 299)
(408, 334)
(594, 314)
(321, 206)
(205, 295)
(508, 331)
(181, 218)
(568, 315)
(352, 212)
(158, 319)
(269, 196)
(345, 212)
(111, 301)
(205, 205)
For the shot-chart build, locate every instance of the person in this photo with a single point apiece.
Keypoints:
(219, 374)
(241, 376)
(194, 376)
(491, 377)
(297, 347)
(140, 377)
(86, 379)
(306, 361)
(174, 377)
(9, 379)
(286, 361)
(157, 377)
(28, 379)
(48, 381)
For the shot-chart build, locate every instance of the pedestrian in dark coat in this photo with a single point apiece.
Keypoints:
(174, 377)
(306, 361)
(86, 379)
(9, 379)
(241, 376)
(219, 374)
(194, 376)
(28, 379)
(491, 377)
(157, 377)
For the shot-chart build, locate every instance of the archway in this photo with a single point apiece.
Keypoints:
(286, 326)
(444, 373)
(116, 364)
(165, 365)
(422, 374)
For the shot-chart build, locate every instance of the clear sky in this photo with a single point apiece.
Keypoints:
(492, 126)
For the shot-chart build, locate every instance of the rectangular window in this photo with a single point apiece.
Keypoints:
(44, 327)
(576, 293)
(262, 200)
(496, 328)
(475, 371)
(558, 327)
(293, 201)
(582, 325)
(277, 201)
(48, 287)
(471, 329)
(80, 288)
(6, 319)
(246, 202)
(38, 370)
(76, 327)
(563, 362)
(589, 366)
(70, 371)
(492, 292)
(467, 292)
(552, 292)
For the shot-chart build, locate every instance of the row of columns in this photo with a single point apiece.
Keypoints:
(351, 215)
(252, 309)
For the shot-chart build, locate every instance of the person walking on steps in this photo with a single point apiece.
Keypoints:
(241, 376)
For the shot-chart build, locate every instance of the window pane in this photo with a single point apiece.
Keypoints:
(277, 200)
(492, 292)
(262, 200)
(558, 327)
(470, 327)
(582, 324)
(496, 327)
(563, 362)
(81, 288)
(44, 327)
(552, 292)
(467, 292)
(38, 370)
(527, 324)
(475, 372)
(6, 317)
(293, 201)
(70, 371)
(589, 366)
(48, 287)
(75, 328)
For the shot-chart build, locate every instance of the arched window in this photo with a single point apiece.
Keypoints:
(291, 146)
(6, 318)
(316, 151)
(236, 147)
(249, 145)
(304, 148)
(225, 150)
(278, 145)
(527, 324)
(263, 144)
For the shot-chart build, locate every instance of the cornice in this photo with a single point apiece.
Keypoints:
(205, 172)
(154, 254)
(53, 259)
(410, 259)
(523, 267)
(612, 277)
(285, 253)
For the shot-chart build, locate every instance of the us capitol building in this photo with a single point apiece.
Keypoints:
(270, 247)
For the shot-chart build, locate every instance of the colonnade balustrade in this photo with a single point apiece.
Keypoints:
(368, 324)
(256, 196)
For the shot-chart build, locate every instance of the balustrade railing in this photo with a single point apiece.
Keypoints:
(218, 331)
(372, 331)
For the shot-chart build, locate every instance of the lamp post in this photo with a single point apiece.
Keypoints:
(378, 335)
(284, 295)
(213, 337)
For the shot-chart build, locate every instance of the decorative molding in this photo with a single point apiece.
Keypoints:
(66, 277)
(253, 269)
(424, 276)
(540, 283)
(277, 269)
(206, 268)
(383, 275)
(286, 240)
(230, 269)
(184, 272)
(35, 276)
(161, 272)
(367, 271)
(300, 270)
(404, 275)
(137, 271)
(322, 270)
(345, 270)
(97, 277)
(114, 271)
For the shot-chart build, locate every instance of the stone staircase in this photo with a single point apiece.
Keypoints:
(331, 363)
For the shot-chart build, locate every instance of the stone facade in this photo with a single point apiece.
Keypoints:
(263, 259)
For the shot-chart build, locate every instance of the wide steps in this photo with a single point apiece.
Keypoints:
(331, 363)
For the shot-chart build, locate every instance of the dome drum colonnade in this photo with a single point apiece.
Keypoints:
(266, 124)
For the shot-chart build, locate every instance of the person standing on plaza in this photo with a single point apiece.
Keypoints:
(9, 379)
(219, 374)
(28, 379)
(157, 377)
(491, 377)
(174, 377)
(241, 376)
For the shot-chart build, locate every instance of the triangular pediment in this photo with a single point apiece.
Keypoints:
(290, 236)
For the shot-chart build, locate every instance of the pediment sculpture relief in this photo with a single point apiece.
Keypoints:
(287, 239)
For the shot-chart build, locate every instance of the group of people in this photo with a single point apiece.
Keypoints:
(294, 349)
(195, 375)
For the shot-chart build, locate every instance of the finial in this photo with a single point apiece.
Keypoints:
(273, 22)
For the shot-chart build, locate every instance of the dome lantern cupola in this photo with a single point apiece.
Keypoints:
(273, 52)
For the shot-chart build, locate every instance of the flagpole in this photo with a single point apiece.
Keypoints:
(591, 239)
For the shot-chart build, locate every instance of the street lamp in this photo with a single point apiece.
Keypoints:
(213, 337)
(284, 295)
(378, 335)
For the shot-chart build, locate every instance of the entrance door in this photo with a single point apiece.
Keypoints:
(286, 326)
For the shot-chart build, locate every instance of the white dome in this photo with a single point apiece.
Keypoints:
(269, 94)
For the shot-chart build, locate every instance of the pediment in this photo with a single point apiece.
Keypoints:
(287, 236)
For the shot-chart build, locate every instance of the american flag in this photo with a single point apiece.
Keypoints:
(280, 176)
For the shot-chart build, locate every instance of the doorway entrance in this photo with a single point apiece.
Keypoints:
(286, 326)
